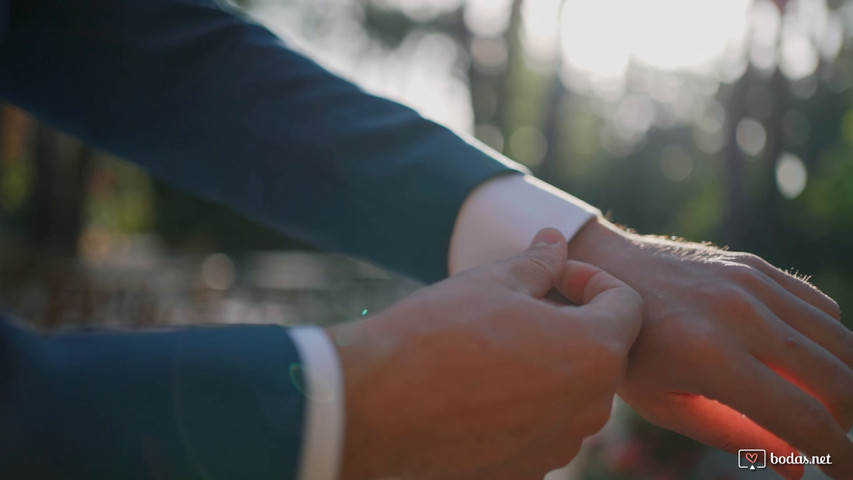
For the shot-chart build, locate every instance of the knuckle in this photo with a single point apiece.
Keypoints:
(751, 259)
(744, 274)
(538, 264)
(481, 276)
(600, 281)
(728, 293)
(739, 303)
(792, 345)
(507, 278)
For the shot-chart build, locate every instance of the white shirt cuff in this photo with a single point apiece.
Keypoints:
(324, 407)
(500, 218)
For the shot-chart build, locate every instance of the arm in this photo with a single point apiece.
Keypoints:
(219, 106)
(724, 333)
(196, 403)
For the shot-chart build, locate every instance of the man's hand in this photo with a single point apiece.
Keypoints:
(481, 377)
(724, 333)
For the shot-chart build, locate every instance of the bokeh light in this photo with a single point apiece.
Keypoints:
(751, 136)
(791, 175)
(218, 272)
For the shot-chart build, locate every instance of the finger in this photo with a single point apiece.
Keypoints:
(807, 319)
(809, 366)
(602, 297)
(718, 426)
(539, 267)
(788, 412)
(801, 288)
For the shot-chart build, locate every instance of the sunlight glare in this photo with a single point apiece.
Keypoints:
(601, 37)
(487, 18)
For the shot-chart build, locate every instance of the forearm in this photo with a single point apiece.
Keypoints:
(193, 403)
(603, 243)
(220, 107)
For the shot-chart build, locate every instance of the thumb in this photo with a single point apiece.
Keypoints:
(604, 298)
(537, 270)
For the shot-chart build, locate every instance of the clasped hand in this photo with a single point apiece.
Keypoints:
(481, 377)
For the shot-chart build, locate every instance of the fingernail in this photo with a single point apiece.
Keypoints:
(548, 236)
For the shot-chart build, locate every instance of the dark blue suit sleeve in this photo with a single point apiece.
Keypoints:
(219, 106)
(192, 404)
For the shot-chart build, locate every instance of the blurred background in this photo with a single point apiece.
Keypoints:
(729, 121)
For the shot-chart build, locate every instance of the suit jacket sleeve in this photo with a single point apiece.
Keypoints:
(219, 106)
(189, 404)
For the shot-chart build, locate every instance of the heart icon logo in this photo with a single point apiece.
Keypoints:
(751, 456)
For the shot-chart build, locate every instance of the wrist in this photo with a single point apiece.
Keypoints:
(366, 452)
(355, 464)
(603, 244)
